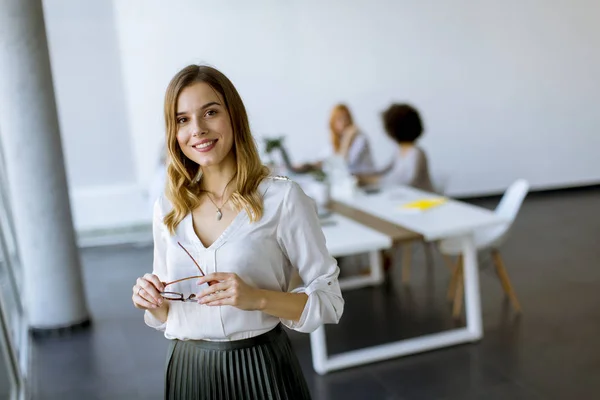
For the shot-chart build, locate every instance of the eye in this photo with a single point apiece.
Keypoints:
(182, 120)
(211, 113)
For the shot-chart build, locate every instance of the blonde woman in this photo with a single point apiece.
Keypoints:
(227, 240)
(347, 143)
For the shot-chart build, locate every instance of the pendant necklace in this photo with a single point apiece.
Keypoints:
(219, 212)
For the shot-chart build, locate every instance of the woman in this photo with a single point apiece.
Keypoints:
(347, 143)
(409, 167)
(224, 216)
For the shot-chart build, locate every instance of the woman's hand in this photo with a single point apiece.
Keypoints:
(230, 290)
(350, 131)
(348, 135)
(146, 292)
(306, 167)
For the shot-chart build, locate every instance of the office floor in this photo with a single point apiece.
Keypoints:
(551, 352)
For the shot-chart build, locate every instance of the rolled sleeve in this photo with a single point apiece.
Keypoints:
(159, 264)
(153, 322)
(303, 242)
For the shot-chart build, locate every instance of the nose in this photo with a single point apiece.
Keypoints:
(199, 127)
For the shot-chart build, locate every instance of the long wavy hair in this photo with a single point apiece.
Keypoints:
(337, 110)
(183, 185)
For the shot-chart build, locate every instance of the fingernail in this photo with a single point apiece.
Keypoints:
(159, 301)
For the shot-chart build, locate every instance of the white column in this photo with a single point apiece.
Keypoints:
(31, 140)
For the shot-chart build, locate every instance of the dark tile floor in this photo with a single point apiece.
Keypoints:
(551, 352)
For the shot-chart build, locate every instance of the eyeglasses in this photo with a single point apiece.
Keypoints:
(176, 296)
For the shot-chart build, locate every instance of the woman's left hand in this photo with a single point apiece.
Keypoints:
(231, 290)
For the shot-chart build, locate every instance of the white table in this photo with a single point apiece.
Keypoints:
(451, 219)
(345, 238)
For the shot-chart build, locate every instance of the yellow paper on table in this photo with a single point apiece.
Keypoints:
(423, 204)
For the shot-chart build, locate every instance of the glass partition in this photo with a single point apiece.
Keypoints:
(14, 337)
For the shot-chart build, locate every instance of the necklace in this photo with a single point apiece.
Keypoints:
(219, 212)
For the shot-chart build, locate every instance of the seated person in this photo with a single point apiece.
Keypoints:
(347, 142)
(403, 125)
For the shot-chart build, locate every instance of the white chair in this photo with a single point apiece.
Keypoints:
(488, 240)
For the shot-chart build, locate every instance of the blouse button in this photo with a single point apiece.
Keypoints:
(329, 283)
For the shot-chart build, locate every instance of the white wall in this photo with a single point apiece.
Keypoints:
(506, 89)
(94, 122)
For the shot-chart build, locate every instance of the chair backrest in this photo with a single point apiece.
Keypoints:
(512, 199)
(509, 207)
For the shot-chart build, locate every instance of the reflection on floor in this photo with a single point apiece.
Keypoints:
(552, 352)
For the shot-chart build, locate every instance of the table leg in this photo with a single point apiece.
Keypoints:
(375, 262)
(322, 363)
(318, 347)
(374, 278)
(471, 283)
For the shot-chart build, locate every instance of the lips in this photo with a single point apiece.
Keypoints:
(205, 145)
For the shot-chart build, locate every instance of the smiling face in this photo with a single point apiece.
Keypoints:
(204, 130)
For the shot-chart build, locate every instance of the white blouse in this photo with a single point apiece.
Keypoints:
(359, 159)
(409, 169)
(263, 253)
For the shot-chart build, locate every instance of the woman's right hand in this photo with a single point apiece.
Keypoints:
(348, 136)
(350, 131)
(146, 292)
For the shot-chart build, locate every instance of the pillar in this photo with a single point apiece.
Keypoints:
(53, 289)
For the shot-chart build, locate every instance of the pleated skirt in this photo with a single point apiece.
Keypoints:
(262, 367)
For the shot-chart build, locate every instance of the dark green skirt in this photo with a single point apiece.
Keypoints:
(262, 367)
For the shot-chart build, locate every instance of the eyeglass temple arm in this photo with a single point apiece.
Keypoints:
(183, 279)
(188, 253)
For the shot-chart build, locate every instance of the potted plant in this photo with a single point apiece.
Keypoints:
(321, 191)
(272, 144)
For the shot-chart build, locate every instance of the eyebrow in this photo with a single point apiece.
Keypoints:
(212, 103)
